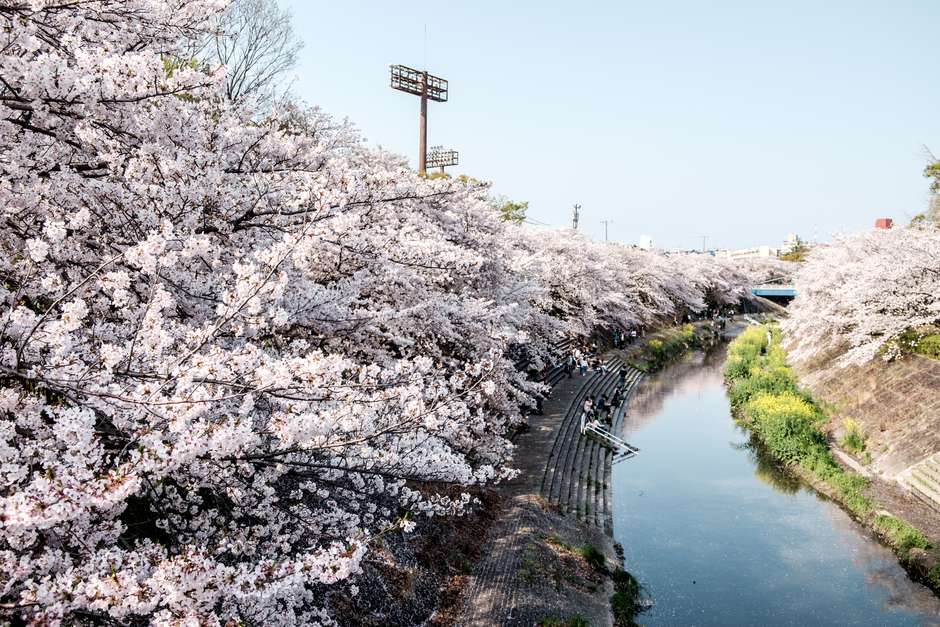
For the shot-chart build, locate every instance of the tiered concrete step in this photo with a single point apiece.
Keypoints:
(633, 381)
(923, 479)
(591, 471)
(577, 472)
(562, 454)
(577, 469)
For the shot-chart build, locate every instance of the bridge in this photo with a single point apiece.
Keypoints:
(779, 289)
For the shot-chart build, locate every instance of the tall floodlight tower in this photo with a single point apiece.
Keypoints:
(575, 216)
(440, 157)
(428, 87)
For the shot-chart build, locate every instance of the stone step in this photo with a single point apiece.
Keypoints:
(578, 469)
(607, 521)
(931, 469)
(562, 447)
(589, 473)
(572, 466)
(632, 382)
(551, 469)
(925, 487)
(580, 496)
(597, 486)
(574, 443)
(558, 457)
(923, 480)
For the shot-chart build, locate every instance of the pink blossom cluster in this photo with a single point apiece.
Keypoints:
(857, 296)
(237, 345)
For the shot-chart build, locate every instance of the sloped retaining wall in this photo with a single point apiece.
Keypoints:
(897, 403)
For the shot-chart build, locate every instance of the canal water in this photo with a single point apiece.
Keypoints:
(718, 535)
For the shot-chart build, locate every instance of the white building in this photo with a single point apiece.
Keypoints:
(646, 242)
(790, 244)
(748, 253)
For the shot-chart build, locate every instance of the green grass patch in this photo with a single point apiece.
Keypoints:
(557, 540)
(854, 437)
(901, 535)
(921, 341)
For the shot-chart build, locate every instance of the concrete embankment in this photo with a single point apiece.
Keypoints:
(897, 407)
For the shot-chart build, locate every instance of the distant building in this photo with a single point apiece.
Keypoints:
(884, 223)
(646, 242)
(790, 244)
(748, 253)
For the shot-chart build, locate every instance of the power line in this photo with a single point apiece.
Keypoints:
(536, 222)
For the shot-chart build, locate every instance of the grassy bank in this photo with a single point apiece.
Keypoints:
(767, 399)
(668, 345)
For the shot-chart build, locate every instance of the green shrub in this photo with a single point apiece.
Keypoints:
(820, 462)
(736, 368)
(785, 423)
(655, 346)
(593, 557)
(934, 576)
(769, 404)
(627, 600)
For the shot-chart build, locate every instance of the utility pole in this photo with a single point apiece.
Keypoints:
(423, 126)
(704, 239)
(428, 87)
(605, 223)
(574, 217)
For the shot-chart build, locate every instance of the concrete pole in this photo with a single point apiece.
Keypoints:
(423, 124)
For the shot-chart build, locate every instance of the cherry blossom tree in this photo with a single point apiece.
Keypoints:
(857, 296)
(237, 345)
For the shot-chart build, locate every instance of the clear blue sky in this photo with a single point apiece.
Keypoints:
(742, 121)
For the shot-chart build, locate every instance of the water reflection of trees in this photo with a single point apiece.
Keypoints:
(767, 468)
(695, 372)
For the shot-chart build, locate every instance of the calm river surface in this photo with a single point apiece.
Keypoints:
(718, 536)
